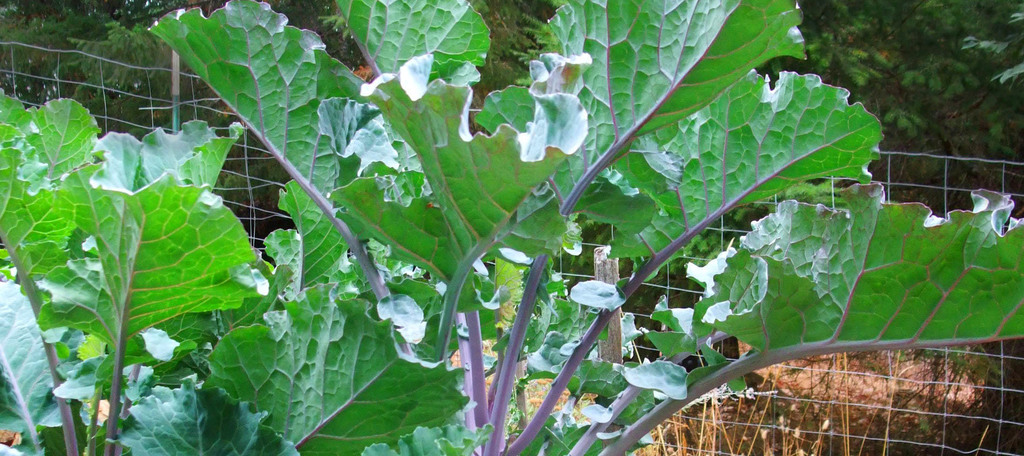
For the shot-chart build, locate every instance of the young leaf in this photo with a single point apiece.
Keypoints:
(186, 421)
(194, 156)
(477, 181)
(331, 378)
(26, 401)
(392, 32)
(751, 143)
(163, 249)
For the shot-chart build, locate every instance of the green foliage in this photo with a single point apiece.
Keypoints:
(331, 378)
(26, 399)
(187, 421)
(965, 286)
(653, 124)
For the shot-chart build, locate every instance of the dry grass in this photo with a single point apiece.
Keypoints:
(850, 412)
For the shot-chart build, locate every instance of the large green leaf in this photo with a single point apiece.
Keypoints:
(26, 401)
(275, 77)
(809, 281)
(657, 62)
(187, 421)
(751, 143)
(163, 249)
(478, 181)
(35, 150)
(331, 378)
(391, 32)
(62, 136)
(873, 277)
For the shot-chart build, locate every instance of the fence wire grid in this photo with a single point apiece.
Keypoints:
(942, 402)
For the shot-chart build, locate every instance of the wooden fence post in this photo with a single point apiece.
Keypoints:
(607, 270)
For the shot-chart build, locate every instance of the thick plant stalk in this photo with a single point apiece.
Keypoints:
(93, 422)
(472, 422)
(560, 383)
(506, 373)
(66, 417)
(451, 298)
(476, 367)
(598, 325)
(116, 382)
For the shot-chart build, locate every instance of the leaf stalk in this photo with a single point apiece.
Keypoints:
(36, 301)
(506, 373)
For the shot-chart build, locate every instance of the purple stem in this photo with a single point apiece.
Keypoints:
(476, 366)
(505, 376)
(560, 383)
(467, 384)
(620, 403)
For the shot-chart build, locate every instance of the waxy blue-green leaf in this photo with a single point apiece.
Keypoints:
(657, 62)
(331, 378)
(477, 181)
(873, 276)
(186, 421)
(26, 401)
(275, 77)
(749, 144)
(392, 32)
(405, 314)
(661, 376)
(680, 336)
(444, 441)
(163, 249)
(597, 294)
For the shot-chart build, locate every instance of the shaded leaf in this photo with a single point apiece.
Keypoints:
(189, 421)
(26, 401)
(394, 31)
(331, 378)
(314, 250)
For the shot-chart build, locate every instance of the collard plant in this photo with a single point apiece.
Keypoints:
(422, 230)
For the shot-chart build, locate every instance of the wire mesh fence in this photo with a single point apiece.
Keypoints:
(953, 401)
